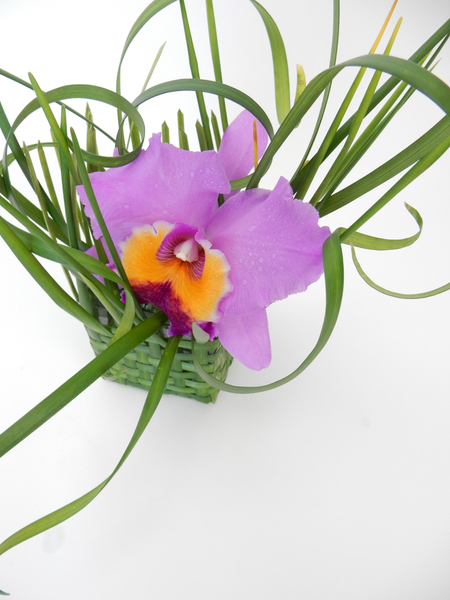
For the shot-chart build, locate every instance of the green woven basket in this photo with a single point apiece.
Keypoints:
(138, 367)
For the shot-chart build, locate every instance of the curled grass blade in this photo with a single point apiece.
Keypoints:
(150, 405)
(47, 176)
(216, 130)
(369, 242)
(334, 285)
(435, 292)
(56, 129)
(127, 319)
(280, 66)
(30, 210)
(38, 192)
(211, 87)
(66, 186)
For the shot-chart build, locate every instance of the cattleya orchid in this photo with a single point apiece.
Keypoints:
(216, 266)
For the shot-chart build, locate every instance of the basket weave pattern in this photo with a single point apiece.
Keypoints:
(138, 367)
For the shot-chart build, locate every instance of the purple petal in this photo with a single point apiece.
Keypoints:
(163, 183)
(246, 338)
(272, 243)
(236, 150)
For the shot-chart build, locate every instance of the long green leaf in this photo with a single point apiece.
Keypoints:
(151, 404)
(69, 390)
(214, 44)
(196, 75)
(66, 187)
(280, 66)
(334, 283)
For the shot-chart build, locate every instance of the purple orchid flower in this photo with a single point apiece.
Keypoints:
(218, 267)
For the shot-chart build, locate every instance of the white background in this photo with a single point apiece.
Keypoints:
(336, 486)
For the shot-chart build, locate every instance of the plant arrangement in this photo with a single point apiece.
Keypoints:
(172, 249)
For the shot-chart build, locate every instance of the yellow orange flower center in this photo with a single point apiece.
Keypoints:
(173, 279)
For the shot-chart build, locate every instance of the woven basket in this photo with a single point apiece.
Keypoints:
(138, 367)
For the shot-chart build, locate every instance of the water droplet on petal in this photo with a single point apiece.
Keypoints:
(252, 228)
(244, 282)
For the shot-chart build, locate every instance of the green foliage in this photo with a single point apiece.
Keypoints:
(57, 229)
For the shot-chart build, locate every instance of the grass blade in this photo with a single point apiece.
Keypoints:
(280, 66)
(369, 242)
(196, 75)
(418, 296)
(214, 44)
